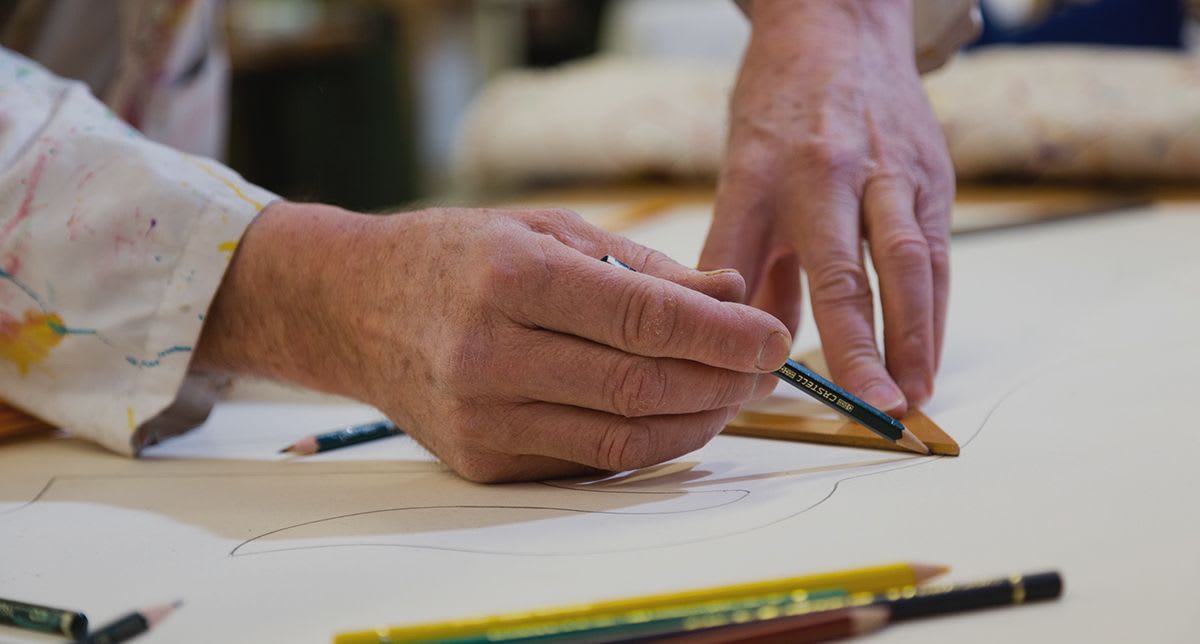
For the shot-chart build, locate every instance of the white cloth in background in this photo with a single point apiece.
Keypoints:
(1073, 112)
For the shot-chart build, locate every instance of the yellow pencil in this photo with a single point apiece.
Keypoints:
(871, 579)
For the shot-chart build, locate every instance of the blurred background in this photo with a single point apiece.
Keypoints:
(374, 104)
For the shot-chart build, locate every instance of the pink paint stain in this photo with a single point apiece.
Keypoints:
(26, 207)
(121, 241)
(13, 263)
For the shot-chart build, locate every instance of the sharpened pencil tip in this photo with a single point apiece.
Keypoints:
(286, 450)
(909, 441)
(924, 572)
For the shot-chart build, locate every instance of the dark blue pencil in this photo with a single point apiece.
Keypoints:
(352, 435)
(842, 401)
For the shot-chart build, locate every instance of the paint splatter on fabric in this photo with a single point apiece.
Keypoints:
(110, 246)
(28, 341)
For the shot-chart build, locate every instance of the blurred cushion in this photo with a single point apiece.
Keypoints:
(1029, 112)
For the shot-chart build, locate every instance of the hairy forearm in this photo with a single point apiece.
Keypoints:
(278, 313)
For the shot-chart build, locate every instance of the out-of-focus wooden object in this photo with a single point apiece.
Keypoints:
(800, 419)
(15, 423)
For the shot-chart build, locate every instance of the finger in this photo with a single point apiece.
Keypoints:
(779, 293)
(636, 312)
(933, 215)
(606, 441)
(739, 236)
(580, 373)
(900, 253)
(724, 284)
(831, 252)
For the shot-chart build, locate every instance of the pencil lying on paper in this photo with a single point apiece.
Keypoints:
(840, 400)
(45, 619)
(854, 614)
(345, 437)
(858, 580)
(132, 625)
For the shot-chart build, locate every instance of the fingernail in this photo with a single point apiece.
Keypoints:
(721, 271)
(773, 352)
(884, 397)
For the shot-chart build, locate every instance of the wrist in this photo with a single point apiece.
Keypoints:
(279, 310)
(887, 24)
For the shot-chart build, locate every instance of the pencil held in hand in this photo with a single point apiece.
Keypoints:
(839, 399)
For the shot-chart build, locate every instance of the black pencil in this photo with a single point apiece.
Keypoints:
(846, 403)
(797, 623)
(842, 401)
(132, 625)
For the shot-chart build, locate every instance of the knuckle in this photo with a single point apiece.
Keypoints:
(465, 363)
(731, 390)
(839, 281)
(939, 255)
(831, 155)
(640, 387)
(553, 221)
(905, 248)
(556, 224)
(650, 317)
(501, 274)
(623, 446)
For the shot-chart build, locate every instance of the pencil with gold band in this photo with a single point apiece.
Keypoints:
(838, 399)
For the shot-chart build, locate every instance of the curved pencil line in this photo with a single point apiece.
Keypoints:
(35, 499)
(234, 552)
(744, 493)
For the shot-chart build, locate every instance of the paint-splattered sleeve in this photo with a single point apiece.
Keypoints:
(111, 250)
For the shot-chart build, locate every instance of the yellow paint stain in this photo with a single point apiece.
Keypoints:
(228, 184)
(227, 247)
(132, 419)
(28, 341)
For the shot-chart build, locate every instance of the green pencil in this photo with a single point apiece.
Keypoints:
(646, 622)
(45, 619)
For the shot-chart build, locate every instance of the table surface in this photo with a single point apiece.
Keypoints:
(1068, 378)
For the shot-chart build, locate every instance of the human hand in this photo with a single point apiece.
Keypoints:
(833, 143)
(497, 338)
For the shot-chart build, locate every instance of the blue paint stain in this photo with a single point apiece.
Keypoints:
(157, 360)
(66, 330)
(5, 275)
